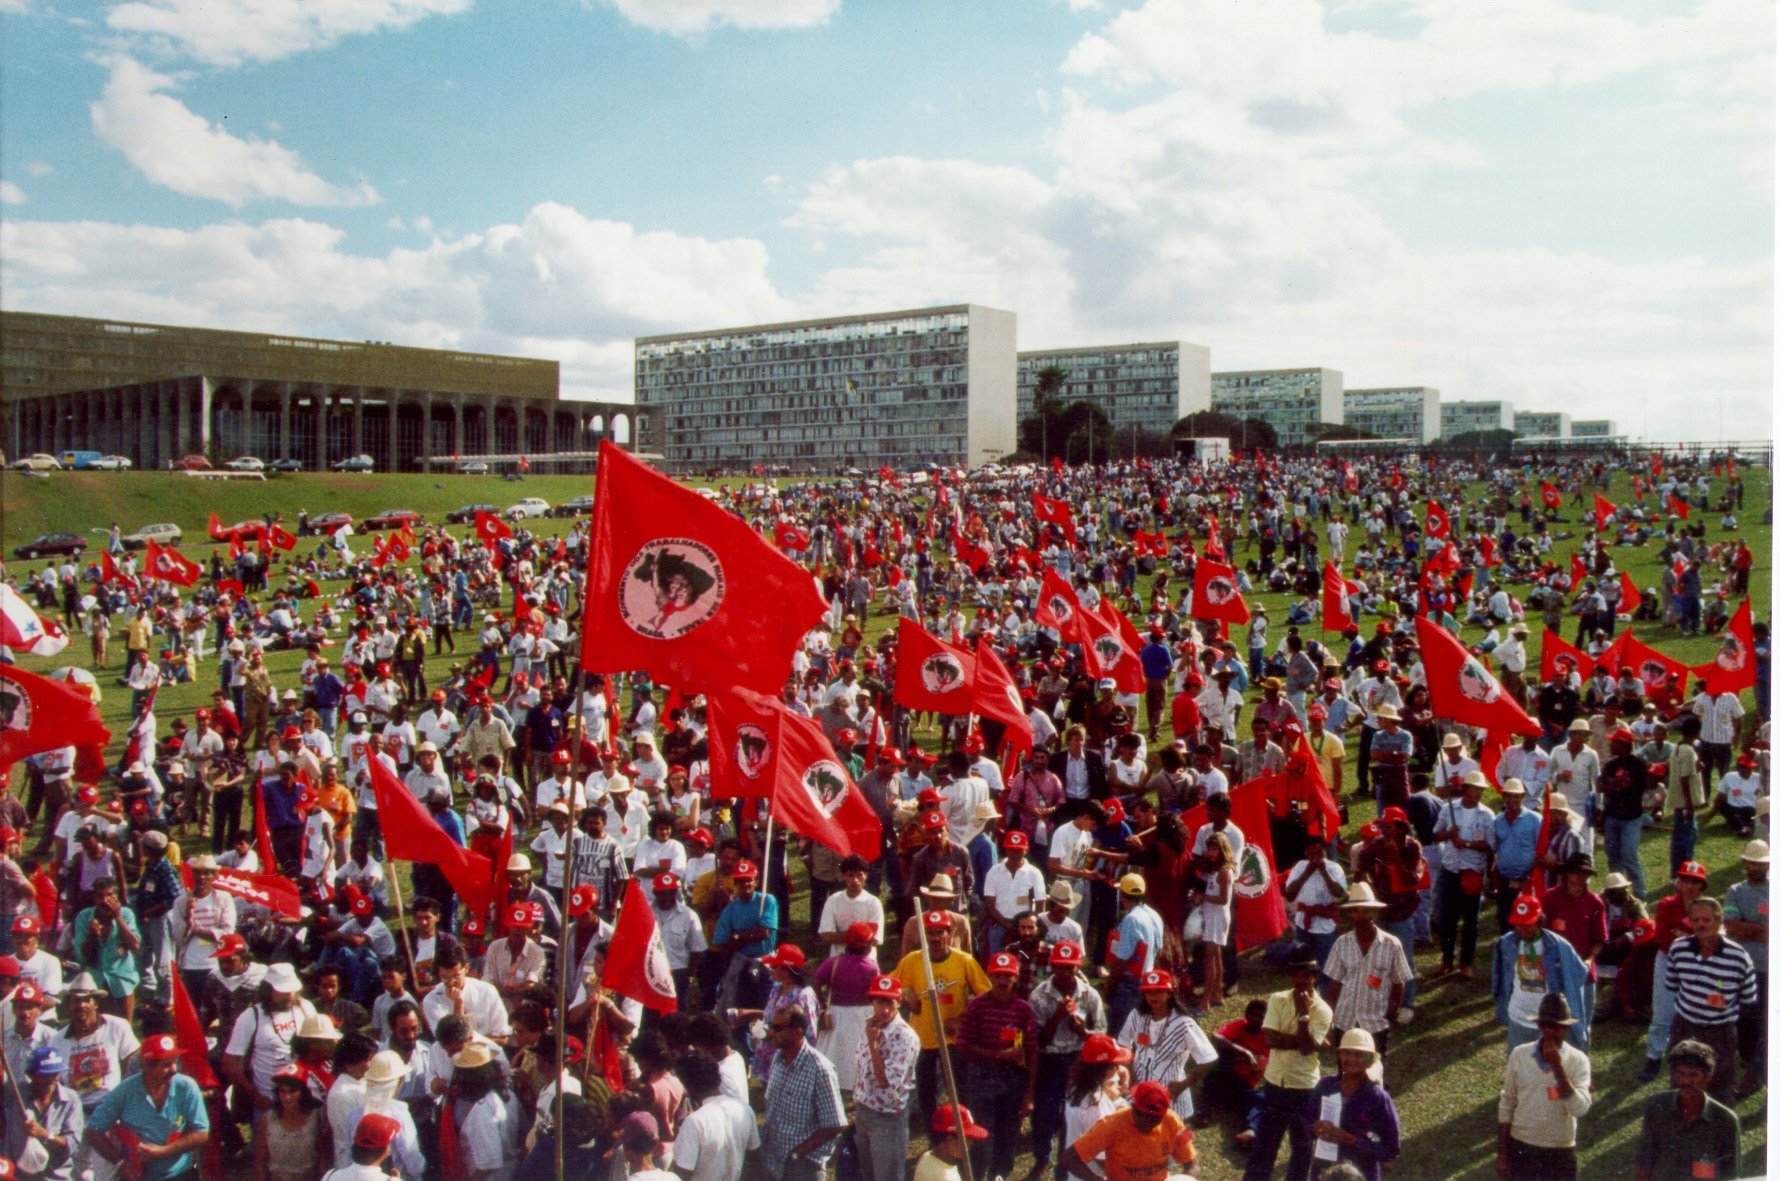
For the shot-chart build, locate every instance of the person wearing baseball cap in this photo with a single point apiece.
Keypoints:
(1068, 1013)
(1146, 1139)
(997, 1042)
(158, 1106)
(1530, 962)
(952, 1132)
(956, 978)
(1012, 886)
(886, 1052)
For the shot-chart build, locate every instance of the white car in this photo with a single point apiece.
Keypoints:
(246, 463)
(110, 463)
(531, 506)
(38, 462)
(167, 534)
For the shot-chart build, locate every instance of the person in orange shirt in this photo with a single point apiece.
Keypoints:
(1144, 1142)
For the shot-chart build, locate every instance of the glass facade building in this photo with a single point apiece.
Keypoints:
(1592, 428)
(933, 385)
(1458, 418)
(1406, 412)
(1542, 424)
(1149, 386)
(1292, 401)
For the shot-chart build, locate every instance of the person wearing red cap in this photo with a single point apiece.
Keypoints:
(1393, 863)
(956, 978)
(998, 1048)
(1735, 795)
(1530, 962)
(1012, 886)
(682, 936)
(372, 1141)
(162, 1109)
(1145, 1140)
(883, 1071)
(952, 1133)
(842, 983)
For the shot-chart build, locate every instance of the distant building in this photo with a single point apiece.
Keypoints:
(154, 393)
(1292, 401)
(1592, 428)
(1542, 424)
(932, 385)
(1458, 418)
(1406, 412)
(1149, 386)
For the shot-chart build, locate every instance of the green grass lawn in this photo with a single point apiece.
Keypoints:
(1445, 1069)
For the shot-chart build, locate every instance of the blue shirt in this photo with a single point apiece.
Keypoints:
(762, 910)
(1142, 925)
(281, 802)
(181, 1113)
(1515, 843)
(329, 691)
(1157, 661)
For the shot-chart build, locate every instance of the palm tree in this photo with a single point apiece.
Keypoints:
(1047, 411)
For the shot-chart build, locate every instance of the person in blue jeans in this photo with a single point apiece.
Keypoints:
(1295, 1027)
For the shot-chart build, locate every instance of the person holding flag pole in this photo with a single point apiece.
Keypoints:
(943, 922)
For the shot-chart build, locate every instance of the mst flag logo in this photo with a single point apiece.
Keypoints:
(1219, 590)
(15, 709)
(942, 672)
(826, 781)
(1733, 655)
(753, 750)
(1476, 682)
(1655, 672)
(1108, 650)
(672, 586)
(1061, 609)
(1255, 874)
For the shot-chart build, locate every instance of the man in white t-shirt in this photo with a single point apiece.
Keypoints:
(1313, 891)
(259, 1045)
(1013, 885)
(848, 905)
(719, 1132)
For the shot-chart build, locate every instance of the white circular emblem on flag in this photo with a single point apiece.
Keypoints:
(1219, 590)
(753, 750)
(1061, 609)
(671, 586)
(1563, 664)
(826, 781)
(15, 706)
(1108, 650)
(1653, 672)
(1732, 655)
(1255, 873)
(1013, 699)
(942, 672)
(655, 966)
(1476, 682)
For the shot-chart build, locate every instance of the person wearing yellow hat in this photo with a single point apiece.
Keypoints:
(1136, 941)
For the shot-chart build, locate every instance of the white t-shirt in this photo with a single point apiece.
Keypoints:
(1070, 845)
(1014, 890)
(490, 1135)
(208, 917)
(46, 970)
(841, 912)
(715, 1139)
(94, 1063)
(318, 845)
(1740, 790)
(263, 1038)
(1315, 892)
(482, 1005)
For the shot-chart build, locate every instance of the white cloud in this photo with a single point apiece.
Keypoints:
(231, 32)
(40, 168)
(556, 284)
(177, 148)
(688, 18)
(11, 194)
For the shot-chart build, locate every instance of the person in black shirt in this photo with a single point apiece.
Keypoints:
(1621, 785)
(1558, 706)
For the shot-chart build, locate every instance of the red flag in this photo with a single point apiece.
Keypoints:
(1215, 595)
(1129, 670)
(236, 548)
(1733, 669)
(996, 696)
(451, 1150)
(1439, 524)
(188, 1031)
(525, 465)
(1651, 667)
(22, 630)
(1680, 507)
(1630, 597)
(1059, 608)
(262, 832)
(1462, 689)
(1151, 544)
(170, 565)
(1550, 495)
(1559, 657)
(1604, 510)
(217, 532)
(108, 572)
(1536, 880)
(1488, 546)
(759, 748)
(681, 589)
(497, 874)
(1578, 571)
(932, 674)
(1056, 463)
(1055, 512)
(1303, 783)
(1396, 478)
(1258, 911)
(636, 963)
(281, 539)
(262, 889)
(490, 528)
(1214, 541)
(787, 535)
(1489, 754)
(411, 834)
(1104, 650)
(231, 586)
(1335, 592)
(38, 714)
(889, 476)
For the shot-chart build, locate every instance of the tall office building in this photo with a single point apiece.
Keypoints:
(1292, 401)
(1541, 424)
(1403, 412)
(1592, 428)
(932, 385)
(1458, 418)
(1147, 386)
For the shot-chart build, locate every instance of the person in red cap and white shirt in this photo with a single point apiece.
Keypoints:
(952, 1132)
(371, 1143)
(35, 964)
(516, 962)
(682, 935)
(1013, 885)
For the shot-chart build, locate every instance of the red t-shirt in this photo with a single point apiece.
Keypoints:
(1671, 921)
(1582, 921)
(1255, 1042)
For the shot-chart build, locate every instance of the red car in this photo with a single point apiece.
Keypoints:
(192, 463)
(324, 524)
(393, 518)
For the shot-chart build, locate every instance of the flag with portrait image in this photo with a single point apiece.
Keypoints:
(1059, 608)
(38, 714)
(932, 674)
(1558, 657)
(1258, 910)
(1215, 595)
(1732, 670)
(636, 962)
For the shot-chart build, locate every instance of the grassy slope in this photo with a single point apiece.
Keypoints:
(1445, 1073)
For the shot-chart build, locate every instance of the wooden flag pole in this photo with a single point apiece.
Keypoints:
(939, 1027)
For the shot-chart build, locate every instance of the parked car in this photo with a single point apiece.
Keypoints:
(392, 518)
(192, 463)
(324, 524)
(285, 465)
(473, 468)
(77, 461)
(51, 543)
(467, 514)
(38, 462)
(357, 463)
(531, 506)
(159, 534)
(111, 463)
(580, 506)
(246, 463)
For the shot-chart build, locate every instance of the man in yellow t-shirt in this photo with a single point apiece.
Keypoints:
(1139, 1143)
(957, 977)
(1295, 1028)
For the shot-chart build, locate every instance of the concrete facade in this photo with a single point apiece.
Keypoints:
(1150, 386)
(1542, 424)
(929, 385)
(1457, 418)
(1292, 401)
(1403, 412)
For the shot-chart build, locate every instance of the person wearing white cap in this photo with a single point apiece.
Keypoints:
(1746, 921)
(259, 1045)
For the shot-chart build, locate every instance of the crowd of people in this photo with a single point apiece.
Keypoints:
(1027, 974)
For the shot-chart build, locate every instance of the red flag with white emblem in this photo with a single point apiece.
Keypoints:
(23, 631)
(490, 528)
(1336, 589)
(636, 962)
(170, 565)
(930, 673)
(1462, 689)
(996, 696)
(1733, 669)
(38, 714)
(1215, 595)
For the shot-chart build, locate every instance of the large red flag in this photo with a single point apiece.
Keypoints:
(1059, 608)
(1154, 545)
(188, 1032)
(281, 538)
(759, 748)
(1550, 495)
(1335, 592)
(1055, 512)
(636, 963)
(411, 834)
(1462, 689)
(38, 714)
(789, 535)
(1214, 541)
(930, 673)
(1215, 595)
(1651, 667)
(1258, 911)
(1578, 571)
(1680, 507)
(1302, 783)
(170, 565)
(969, 552)
(1557, 656)
(262, 889)
(490, 528)
(1604, 510)
(681, 589)
(1104, 651)
(1630, 597)
(1128, 672)
(995, 695)
(1733, 669)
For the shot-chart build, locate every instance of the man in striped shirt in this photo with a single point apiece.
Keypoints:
(998, 1040)
(1713, 980)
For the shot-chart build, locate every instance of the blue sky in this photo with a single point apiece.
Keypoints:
(1566, 205)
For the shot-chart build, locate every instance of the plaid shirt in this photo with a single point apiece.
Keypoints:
(158, 890)
(803, 1097)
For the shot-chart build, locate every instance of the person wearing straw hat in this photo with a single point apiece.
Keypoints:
(1746, 921)
(956, 978)
(1531, 962)
(942, 894)
(1545, 1091)
(1354, 1117)
(486, 1112)
(1368, 970)
(1388, 755)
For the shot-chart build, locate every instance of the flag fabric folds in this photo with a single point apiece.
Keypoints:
(1461, 688)
(38, 714)
(1733, 669)
(1258, 912)
(1336, 589)
(1557, 655)
(636, 963)
(169, 565)
(411, 834)
(1215, 595)
(932, 674)
(23, 631)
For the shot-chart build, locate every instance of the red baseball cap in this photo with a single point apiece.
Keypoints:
(1526, 912)
(230, 944)
(939, 920)
(701, 836)
(26, 924)
(887, 987)
(928, 798)
(1150, 1098)
(1157, 980)
(1015, 840)
(582, 899)
(746, 871)
(1101, 1050)
(363, 907)
(949, 1118)
(1692, 869)
(375, 1132)
(159, 1047)
(475, 926)
(87, 794)
(665, 881)
(1002, 964)
(789, 955)
(934, 821)
(1393, 815)
(1068, 953)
